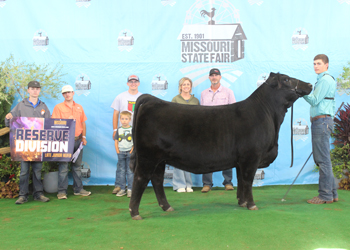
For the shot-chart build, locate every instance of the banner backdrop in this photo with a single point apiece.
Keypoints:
(100, 43)
(41, 139)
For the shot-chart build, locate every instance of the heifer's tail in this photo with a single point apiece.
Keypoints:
(140, 100)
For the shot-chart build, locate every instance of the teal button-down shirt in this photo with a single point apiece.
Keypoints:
(324, 87)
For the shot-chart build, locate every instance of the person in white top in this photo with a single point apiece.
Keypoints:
(125, 102)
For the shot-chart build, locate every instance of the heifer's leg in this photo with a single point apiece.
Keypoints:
(157, 182)
(241, 201)
(247, 180)
(142, 176)
(248, 168)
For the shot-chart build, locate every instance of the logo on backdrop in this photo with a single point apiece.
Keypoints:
(344, 1)
(300, 39)
(212, 33)
(85, 172)
(300, 129)
(262, 78)
(170, 2)
(125, 40)
(258, 2)
(159, 85)
(258, 178)
(85, 3)
(82, 85)
(40, 40)
(2, 3)
(212, 36)
(168, 174)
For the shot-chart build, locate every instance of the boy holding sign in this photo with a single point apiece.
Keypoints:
(30, 107)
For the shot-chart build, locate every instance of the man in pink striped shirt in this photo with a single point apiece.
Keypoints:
(217, 95)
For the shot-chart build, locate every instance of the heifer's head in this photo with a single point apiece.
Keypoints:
(288, 88)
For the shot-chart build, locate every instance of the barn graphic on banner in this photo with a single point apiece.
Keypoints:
(82, 85)
(40, 40)
(262, 78)
(159, 85)
(125, 40)
(300, 129)
(300, 39)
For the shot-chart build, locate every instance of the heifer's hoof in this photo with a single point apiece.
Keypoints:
(253, 208)
(137, 217)
(170, 209)
(244, 204)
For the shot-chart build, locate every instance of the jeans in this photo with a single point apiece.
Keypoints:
(208, 178)
(123, 171)
(24, 179)
(321, 130)
(76, 171)
(181, 179)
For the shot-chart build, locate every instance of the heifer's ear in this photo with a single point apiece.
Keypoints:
(272, 80)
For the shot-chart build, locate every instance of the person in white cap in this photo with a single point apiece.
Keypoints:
(30, 107)
(125, 102)
(71, 110)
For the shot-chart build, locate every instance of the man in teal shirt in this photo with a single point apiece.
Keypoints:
(321, 113)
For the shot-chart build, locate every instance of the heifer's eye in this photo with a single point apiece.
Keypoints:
(286, 79)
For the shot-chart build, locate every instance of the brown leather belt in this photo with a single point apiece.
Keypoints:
(78, 137)
(318, 117)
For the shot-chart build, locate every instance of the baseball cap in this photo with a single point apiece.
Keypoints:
(133, 77)
(67, 88)
(214, 71)
(34, 84)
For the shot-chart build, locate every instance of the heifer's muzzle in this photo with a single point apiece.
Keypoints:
(300, 92)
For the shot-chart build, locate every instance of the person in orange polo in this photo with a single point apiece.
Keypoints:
(71, 110)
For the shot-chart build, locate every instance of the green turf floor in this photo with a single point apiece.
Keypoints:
(200, 221)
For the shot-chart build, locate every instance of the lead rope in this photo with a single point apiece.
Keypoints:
(291, 136)
(291, 128)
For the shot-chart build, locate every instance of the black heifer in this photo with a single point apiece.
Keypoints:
(203, 139)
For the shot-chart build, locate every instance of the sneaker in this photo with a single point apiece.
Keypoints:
(21, 200)
(61, 196)
(116, 190)
(189, 190)
(206, 189)
(181, 190)
(129, 193)
(229, 187)
(41, 198)
(83, 192)
(121, 193)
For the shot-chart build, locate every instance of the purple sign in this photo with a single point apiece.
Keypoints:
(41, 139)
